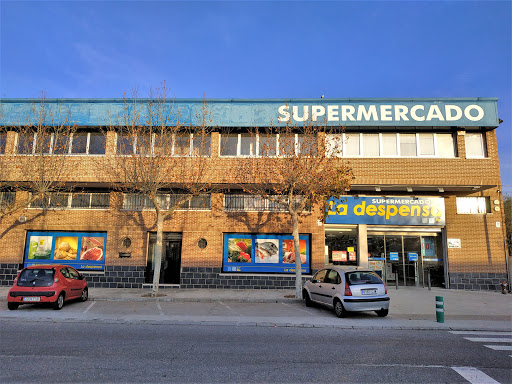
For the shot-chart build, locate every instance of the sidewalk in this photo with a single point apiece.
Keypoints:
(410, 308)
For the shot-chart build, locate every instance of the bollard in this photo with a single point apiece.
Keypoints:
(429, 282)
(396, 280)
(440, 309)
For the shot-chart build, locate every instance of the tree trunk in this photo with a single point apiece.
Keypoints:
(158, 252)
(296, 247)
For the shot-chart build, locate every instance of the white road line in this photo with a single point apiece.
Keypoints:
(474, 375)
(89, 307)
(489, 339)
(159, 308)
(230, 309)
(500, 347)
(482, 333)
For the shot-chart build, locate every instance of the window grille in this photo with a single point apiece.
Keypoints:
(73, 201)
(137, 202)
(256, 203)
(7, 198)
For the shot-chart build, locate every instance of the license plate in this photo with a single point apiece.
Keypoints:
(368, 291)
(32, 298)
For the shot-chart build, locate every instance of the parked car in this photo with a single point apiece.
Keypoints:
(47, 284)
(346, 290)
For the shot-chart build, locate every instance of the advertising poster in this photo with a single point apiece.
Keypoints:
(289, 251)
(352, 256)
(339, 255)
(413, 256)
(264, 253)
(393, 256)
(81, 250)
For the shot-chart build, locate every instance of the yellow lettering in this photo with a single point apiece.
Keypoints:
(330, 211)
(426, 212)
(415, 210)
(341, 209)
(435, 211)
(359, 209)
(389, 210)
(371, 210)
(381, 211)
(403, 210)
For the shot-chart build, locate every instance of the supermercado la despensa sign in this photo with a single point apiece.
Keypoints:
(386, 210)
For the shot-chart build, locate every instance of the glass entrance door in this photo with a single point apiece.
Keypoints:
(413, 259)
(170, 267)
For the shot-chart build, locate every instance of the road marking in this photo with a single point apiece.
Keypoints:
(474, 375)
(482, 333)
(230, 309)
(489, 339)
(159, 308)
(500, 347)
(89, 307)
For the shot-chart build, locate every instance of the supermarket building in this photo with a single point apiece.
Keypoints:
(424, 207)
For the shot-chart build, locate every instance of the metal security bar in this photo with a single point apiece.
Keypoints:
(137, 202)
(255, 203)
(73, 201)
(7, 198)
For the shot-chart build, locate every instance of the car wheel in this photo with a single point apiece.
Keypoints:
(59, 303)
(339, 310)
(382, 312)
(12, 306)
(305, 294)
(85, 295)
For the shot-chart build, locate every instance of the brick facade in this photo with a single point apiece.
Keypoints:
(479, 264)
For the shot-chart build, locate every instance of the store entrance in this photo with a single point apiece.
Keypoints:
(409, 259)
(170, 268)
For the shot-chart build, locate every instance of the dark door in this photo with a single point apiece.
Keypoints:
(171, 263)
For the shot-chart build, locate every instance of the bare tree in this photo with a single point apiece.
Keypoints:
(296, 169)
(37, 162)
(162, 160)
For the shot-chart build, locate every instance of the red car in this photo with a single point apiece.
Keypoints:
(47, 284)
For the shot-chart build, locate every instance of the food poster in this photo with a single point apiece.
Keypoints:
(66, 248)
(289, 251)
(81, 250)
(39, 247)
(92, 248)
(239, 250)
(339, 256)
(265, 253)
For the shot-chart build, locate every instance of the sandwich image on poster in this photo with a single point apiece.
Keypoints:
(65, 248)
(267, 251)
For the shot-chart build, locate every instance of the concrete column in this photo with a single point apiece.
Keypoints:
(362, 245)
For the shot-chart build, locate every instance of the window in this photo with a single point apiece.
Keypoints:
(475, 145)
(333, 277)
(201, 145)
(473, 205)
(351, 144)
(25, 143)
(234, 202)
(135, 202)
(124, 145)
(426, 141)
(267, 145)
(389, 147)
(307, 145)
(97, 143)
(320, 276)
(247, 144)
(445, 145)
(181, 145)
(73, 201)
(3, 141)
(407, 144)
(7, 198)
(371, 144)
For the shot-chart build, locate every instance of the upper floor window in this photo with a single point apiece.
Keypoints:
(7, 198)
(473, 205)
(135, 202)
(475, 145)
(177, 145)
(78, 143)
(234, 202)
(267, 145)
(55, 200)
(3, 141)
(395, 144)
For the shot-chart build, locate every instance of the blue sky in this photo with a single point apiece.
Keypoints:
(253, 49)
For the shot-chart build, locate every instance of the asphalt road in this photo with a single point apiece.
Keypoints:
(57, 352)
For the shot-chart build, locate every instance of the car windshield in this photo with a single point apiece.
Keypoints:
(358, 278)
(40, 277)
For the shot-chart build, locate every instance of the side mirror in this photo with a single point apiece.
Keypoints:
(80, 277)
(314, 281)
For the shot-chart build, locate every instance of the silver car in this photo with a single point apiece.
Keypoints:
(346, 290)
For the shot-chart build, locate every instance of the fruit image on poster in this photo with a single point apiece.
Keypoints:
(92, 248)
(239, 250)
(267, 251)
(40, 247)
(65, 248)
(289, 251)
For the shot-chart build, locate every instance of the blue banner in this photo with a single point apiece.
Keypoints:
(386, 210)
(264, 253)
(81, 250)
